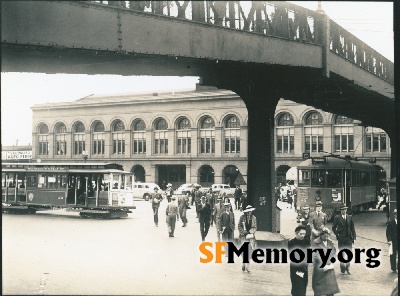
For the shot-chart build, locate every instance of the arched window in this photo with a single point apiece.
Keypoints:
(375, 140)
(313, 132)
(285, 134)
(79, 138)
(139, 137)
(43, 139)
(343, 131)
(183, 136)
(98, 138)
(207, 135)
(60, 139)
(232, 134)
(160, 137)
(118, 137)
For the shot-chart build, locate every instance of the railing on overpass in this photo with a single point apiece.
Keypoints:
(271, 18)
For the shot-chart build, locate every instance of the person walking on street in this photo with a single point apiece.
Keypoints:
(204, 212)
(247, 227)
(183, 205)
(227, 223)
(303, 219)
(299, 271)
(238, 196)
(243, 201)
(197, 200)
(289, 198)
(171, 213)
(391, 235)
(210, 197)
(169, 191)
(317, 221)
(219, 208)
(343, 228)
(155, 203)
(324, 278)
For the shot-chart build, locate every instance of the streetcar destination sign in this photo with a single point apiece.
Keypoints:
(316, 160)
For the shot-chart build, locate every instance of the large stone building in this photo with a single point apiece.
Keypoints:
(192, 137)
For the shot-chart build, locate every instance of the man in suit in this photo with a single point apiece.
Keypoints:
(343, 228)
(317, 221)
(227, 223)
(155, 202)
(391, 235)
(299, 271)
(204, 213)
(219, 208)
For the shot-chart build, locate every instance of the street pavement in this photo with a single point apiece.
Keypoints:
(58, 252)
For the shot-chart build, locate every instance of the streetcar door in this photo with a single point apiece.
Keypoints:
(71, 197)
(20, 189)
(9, 187)
(347, 182)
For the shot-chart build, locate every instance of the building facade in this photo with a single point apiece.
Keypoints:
(192, 137)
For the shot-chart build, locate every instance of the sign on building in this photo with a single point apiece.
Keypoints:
(17, 155)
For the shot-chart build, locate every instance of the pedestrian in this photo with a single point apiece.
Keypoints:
(243, 202)
(289, 198)
(343, 228)
(183, 205)
(295, 198)
(382, 196)
(391, 235)
(169, 191)
(317, 221)
(193, 195)
(227, 223)
(171, 213)
(226, 199)
(197, 199)
(299, 270)
(247, 227)
(204, 211)
(303, 219)
(324, 278)
(155, 203)
(219, 208)
(238, 196)
(210, 197)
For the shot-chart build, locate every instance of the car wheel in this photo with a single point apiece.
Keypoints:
(146, 196)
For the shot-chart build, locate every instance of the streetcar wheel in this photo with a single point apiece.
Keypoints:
(146, 196)
(31, 211)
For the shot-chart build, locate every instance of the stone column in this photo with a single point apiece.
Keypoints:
(219, 141)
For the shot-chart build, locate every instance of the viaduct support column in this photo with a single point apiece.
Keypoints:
(261, 110)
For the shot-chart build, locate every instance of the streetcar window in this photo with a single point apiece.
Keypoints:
(364, 179)
(334, 178)
(42, 181)
(52, 182)
(304, 177)
(354, 179)
(318, 178)
(3, 180)
(31, 181)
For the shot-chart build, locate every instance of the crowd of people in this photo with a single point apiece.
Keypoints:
(216, 209)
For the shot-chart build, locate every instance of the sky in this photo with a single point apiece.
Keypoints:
(372, 22)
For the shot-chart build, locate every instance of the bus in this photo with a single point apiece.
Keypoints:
(95, 190)
(335, 181)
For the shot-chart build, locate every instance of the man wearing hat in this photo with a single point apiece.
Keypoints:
(204, 213)
(227, 223)
(343, 228)
(247, 227)
(391, 235)
(317, 221)
(219, 208)
(171, 213)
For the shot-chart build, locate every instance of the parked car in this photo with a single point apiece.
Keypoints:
(144, 190)
(223, 188)
(187, 187)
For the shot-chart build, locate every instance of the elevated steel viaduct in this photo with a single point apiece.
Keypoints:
(263, 51)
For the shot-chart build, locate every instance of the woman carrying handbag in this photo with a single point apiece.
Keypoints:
(247, 228)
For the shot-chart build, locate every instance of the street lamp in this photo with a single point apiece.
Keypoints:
(85, 155)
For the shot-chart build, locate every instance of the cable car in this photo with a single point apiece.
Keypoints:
(95, 190)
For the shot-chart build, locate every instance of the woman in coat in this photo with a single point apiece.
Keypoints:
(247, 228)
(324, 279)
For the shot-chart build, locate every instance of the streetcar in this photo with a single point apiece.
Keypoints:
(335, 181)
(95, 190)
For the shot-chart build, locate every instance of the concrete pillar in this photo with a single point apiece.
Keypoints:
(244, 136)
(51, 145)
(298, 139)
(195, 143)
(261, 161)
(108, 144)
(358, 132)
(171, 142)
(149, 142)
(219, 141)
(328, 137)
(128, 145)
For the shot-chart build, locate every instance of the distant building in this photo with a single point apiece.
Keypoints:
(192, 137)
(16, 153)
